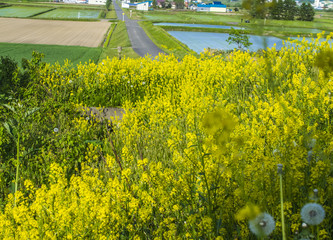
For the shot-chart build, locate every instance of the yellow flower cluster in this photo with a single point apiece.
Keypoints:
(200, 139)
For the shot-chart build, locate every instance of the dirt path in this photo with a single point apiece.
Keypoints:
(88, 34)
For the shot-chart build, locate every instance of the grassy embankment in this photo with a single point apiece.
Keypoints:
(279, 28)
(118, 38)
(165, 41)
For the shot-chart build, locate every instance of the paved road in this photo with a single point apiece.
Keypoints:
(141, 43)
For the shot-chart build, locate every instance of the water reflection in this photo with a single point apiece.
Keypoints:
(198, 41)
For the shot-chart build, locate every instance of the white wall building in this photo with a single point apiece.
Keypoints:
(212, 7)
(144, 6)
(97, 2)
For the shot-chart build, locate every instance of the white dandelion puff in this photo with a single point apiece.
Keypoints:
(56, 130)
(262, 225)
(280, 168)
(312, 213)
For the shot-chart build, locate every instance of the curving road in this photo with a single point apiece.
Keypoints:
(141, 43)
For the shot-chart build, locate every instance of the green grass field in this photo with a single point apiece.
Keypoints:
(190, 17)
(63, 13)
(53, 53)
(21, 11)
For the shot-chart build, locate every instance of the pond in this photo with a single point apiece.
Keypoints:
(196, 25)
(198, 41)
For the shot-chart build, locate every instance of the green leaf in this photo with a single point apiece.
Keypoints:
(30, 112)
(95, 142)
(9, 107)
(9, 129)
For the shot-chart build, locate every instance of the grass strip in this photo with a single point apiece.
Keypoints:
(165, 41)
(119, 38)
(107, 40)
(49, 10)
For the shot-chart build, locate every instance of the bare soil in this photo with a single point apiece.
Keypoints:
(88, 34)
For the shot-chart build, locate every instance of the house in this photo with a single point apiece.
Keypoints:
(212, 7)
(97, 2)
(69, 1)
(144, 6)
(128, 4)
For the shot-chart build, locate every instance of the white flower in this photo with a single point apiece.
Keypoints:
(143, 83)
(262, 225)
(70, 81)
(56, 130)
(131, 86)
(313, 213)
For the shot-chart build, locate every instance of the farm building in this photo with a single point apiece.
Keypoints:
(212, 7)
(144, 6)
(97, 2)
(127, 4)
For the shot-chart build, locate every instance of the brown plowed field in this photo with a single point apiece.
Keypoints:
(88, 34)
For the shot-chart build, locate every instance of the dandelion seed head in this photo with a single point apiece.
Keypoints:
(312, 213)
(280, 168)
(56, 130)
(70, 81)
(304, 225)
(262, 225)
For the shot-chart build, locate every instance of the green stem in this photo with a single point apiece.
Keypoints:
(318, 237)
(17, 167)
(282, 214)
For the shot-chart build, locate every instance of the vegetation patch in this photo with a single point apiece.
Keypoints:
(235, 147)
(21, 11)
(69, 13)
(53, 53)
(165, 41)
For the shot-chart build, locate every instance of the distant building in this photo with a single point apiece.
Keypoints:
(144, 6)
(97, 2)
(212, 7)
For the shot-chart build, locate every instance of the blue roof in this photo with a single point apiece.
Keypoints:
(149, 2)
(212, 5)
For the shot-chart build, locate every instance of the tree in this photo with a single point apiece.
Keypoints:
(242, 40)
(306, 12)
(275, 9)
(256, 8)
(179, 4)
(289, 9)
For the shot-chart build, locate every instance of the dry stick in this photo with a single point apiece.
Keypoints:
(280, 171)
(116, 156)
